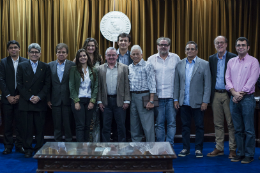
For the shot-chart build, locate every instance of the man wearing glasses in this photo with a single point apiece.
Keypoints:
(113, 94)
(10, 97)
(59, 97)
(220, 98)
(164, 63)
(241, 77)
(191, 95)
(33, 83)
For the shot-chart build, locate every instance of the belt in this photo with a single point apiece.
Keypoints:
(221, 91)
(111, 96)
(139, 92)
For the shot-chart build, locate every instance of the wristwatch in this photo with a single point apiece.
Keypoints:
(151, 102)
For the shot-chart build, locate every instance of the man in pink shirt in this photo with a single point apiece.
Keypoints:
(241, 76)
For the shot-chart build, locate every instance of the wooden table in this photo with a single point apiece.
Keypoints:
(105, 157)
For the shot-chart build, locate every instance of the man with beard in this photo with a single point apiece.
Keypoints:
(10, 97)
(59, 97)
(113, 94)
(164, 63)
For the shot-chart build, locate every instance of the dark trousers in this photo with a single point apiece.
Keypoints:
(110, 111)
(82, 119)
(186, 113)
(12, 114)
(31, 120)
(62, 119)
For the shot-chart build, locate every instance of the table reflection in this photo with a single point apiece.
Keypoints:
(106, 149)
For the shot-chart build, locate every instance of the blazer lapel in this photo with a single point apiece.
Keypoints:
(119, 70)
(66, 70)
(38, 72)
(54, 69)
(196, 65)
(11, 65)
(215, 64)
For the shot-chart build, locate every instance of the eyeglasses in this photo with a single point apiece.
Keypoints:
(111, 55)
(243, 45)
(192, 49)
(221, 43)
(163, 45)
(34, 53)
(16, 47)
(61, 52)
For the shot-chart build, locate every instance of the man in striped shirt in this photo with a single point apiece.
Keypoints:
(142, 83)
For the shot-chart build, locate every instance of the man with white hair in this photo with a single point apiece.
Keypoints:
(142, 83)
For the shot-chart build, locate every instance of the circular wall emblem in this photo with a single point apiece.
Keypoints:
(113, 24)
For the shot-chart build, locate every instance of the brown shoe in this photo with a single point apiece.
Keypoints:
(232, 154)
(216, 152)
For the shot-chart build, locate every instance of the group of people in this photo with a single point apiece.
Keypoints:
(87, 85)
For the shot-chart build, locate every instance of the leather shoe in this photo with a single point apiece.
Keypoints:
(232, 154)
(7, 151)
(216, 152)
(20, 150)
(28, 154)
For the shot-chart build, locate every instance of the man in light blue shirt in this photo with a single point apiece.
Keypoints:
(192, 95)
(220, 98)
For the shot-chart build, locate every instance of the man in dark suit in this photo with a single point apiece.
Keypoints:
(220, 98)
(192, 95)
(59, 98)
(113, 94)
(33, 83)
(10, 97)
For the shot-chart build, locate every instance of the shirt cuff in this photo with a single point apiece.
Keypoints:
(7, 95)
(127, 102)
(31, 97)
(98, 102)
(175, 100)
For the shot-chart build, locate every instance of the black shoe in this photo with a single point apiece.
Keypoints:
(247, 160)
(237, 158)
(7, 151)
(20, 150)
(28, 154)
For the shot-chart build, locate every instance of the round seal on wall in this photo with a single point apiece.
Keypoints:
(113, 24)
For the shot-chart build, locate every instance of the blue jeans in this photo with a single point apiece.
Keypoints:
(243, 119)
(186, 114)
(165, 112)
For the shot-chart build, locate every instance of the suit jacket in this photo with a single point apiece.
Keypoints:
(200, 84)
(122, 88)
(129, 58)
(213, 62)
(75, 81)
(29, 84)
(60, 92)
(7, 78)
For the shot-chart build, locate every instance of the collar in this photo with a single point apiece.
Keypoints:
(193, 61)
(114, 66)
(243, 58)
(224, 56)
(34, 63)
(16, 60)
(127, 52)
(142, 62)
(62, 63)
